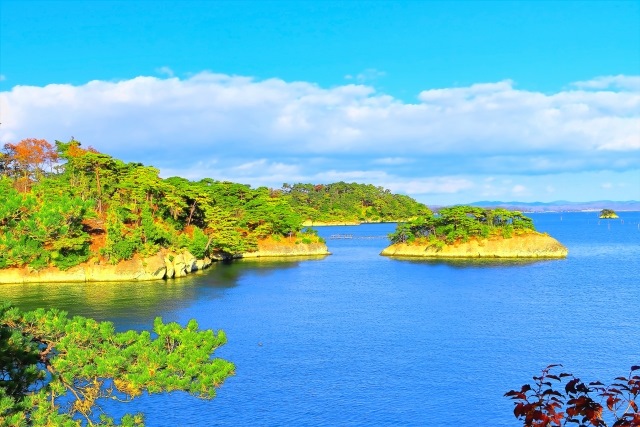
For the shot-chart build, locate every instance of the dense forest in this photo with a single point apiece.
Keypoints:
(460, 223)
(64, 204)
(343, 202)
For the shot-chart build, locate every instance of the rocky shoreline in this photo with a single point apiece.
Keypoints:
(531, 245)
(163, 265)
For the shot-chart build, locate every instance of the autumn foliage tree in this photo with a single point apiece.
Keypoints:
(546, 404)
(26, 161)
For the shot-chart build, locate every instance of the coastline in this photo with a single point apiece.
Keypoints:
(309, 223)
(531, 245)
(161, 266)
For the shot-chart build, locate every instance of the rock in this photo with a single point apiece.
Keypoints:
(153, 268)
(162, 265)
(168, 262)
(149, 268)
(179, 266)
(189, 262)
(286, 250)
(207, 262)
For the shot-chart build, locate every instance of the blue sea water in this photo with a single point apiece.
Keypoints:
(357, 339)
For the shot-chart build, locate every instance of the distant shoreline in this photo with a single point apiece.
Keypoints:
(561, 206)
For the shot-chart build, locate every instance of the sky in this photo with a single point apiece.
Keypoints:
(446, 101)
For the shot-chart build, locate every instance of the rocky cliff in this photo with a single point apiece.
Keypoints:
(531, 245)
(163, 265)
(159, 266)
(286, 250)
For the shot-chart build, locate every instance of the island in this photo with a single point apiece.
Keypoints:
(472, 232)
(73, 214)
(608, 214)
(342, 203)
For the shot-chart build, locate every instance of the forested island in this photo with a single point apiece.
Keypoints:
(473, 232)
(343, 203)
(608, 214)
(71, 213)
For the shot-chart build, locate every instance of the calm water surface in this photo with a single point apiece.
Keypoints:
(359, 339)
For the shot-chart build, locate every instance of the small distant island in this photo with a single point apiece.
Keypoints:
(473, 232)
(608, 214)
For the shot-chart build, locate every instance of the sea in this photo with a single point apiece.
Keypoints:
(357, 339)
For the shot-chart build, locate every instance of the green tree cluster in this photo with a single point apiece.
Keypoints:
(608, 214)
(350, 202)
(56, 370)
(460, 223)
(125, 209)
(42, 227)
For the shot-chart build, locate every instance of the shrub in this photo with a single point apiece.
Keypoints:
(540, 405)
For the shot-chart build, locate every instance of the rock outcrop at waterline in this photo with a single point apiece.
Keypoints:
(531, 245)
(301, 249)
(163, 265)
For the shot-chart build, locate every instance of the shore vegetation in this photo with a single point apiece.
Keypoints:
(343, 202)
(66, 204)
(608, 214)
(461, 223)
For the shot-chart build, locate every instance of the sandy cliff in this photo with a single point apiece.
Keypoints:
(163, 265)
(285, 250)
(533, 245)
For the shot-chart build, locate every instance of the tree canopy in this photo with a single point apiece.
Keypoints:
(70, 204)
(56, 370)
(342, 201)
(460, 223)
(608, 214)
(91, 205)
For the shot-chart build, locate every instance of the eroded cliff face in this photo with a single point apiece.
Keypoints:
(532, 245)
(285, 250)
(163, 265)
(159, 266)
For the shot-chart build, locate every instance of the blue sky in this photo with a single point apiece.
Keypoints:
(449, 102)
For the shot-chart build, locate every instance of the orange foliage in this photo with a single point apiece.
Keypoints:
(76, 151)
(31, 154)
(25, 161)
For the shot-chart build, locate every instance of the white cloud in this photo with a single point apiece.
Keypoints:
(164, 70)
(273, 131)
(367, 76)
(213, 110)
(392, 161)
(606, 82)
(519, 189)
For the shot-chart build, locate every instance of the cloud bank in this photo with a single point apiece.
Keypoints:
(265, 132)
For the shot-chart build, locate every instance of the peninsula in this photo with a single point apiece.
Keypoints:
(71, 213)
(472, 232)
